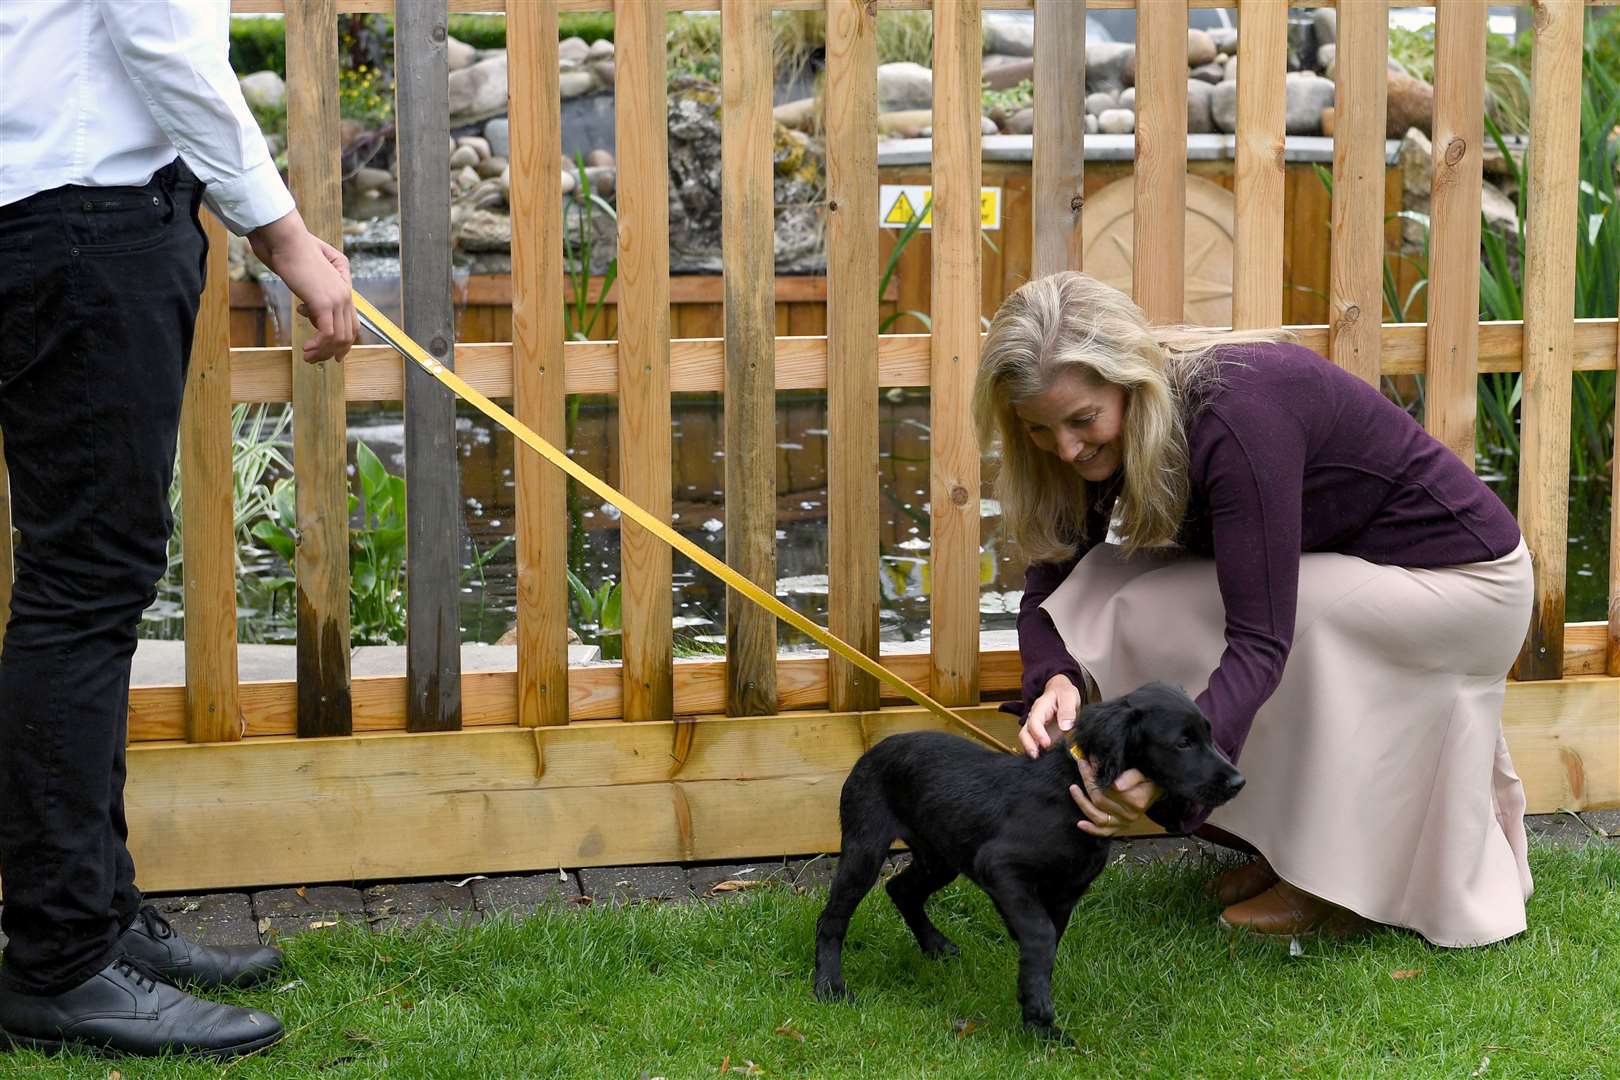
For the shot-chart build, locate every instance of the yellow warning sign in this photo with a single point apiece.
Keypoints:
(898, 204)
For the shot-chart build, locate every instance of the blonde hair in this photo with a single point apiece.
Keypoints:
(1069, 322)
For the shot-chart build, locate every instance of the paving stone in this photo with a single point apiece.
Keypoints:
(1570, 829)
(521, 895)
(1165, 849)
(210, 918)
(634, 884)
(409, 904)
(732, 881)
(283, 912)
(813, 873)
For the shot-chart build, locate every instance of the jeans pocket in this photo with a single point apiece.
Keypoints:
(18, 341)
(117, 221)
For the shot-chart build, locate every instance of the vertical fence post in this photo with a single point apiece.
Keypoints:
(1059, 165)
(1452, 386)
(1549, 324)
(207, 509)
(539, 398)
(1355, 288)
(1614, 543)
(852, 338)
(432, 466)
(319, 420)
(6, 570)
(644, 407)
(953, 446)
(748, 248)
(1257, 247)
(1159, 231)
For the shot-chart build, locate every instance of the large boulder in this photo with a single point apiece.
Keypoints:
(1110, 66)
(461, 54)
(572, 52)
(264, 90)
(1411, 105)
(478, 92)
(1307, 95)
(904, 85)
(1200, 120)
(1008, 73)
(1014, 37)
(1223, 106)
(1200, 48)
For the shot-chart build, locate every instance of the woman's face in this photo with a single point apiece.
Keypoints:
(1079, 422)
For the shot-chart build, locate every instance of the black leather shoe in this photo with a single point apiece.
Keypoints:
(126, 1010)
(153, 942)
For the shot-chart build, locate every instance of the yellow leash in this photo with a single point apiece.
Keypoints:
(377, 323)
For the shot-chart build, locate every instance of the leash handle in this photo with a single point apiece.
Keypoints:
(400, 342)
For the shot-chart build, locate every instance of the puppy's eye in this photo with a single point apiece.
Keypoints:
(1186, 743)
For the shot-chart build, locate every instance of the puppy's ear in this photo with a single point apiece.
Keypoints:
(1102, 733)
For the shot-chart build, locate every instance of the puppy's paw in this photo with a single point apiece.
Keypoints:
(833, 992)
(1045, 1030)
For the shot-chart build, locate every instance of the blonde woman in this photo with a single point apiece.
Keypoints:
(1341, 593)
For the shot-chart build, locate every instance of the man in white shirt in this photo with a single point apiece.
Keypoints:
(117, 121)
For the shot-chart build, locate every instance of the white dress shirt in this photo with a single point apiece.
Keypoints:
(106, 92)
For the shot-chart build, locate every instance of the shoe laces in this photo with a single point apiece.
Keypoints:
(156, 925)
(144, 977)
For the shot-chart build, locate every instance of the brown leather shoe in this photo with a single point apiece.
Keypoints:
(1243, 882)
(1284, 911)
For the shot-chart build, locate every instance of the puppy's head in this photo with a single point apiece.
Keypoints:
(1160, 731)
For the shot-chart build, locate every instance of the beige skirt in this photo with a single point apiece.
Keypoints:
(1377, 774)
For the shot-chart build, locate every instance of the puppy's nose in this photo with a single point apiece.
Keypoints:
(1234, 784)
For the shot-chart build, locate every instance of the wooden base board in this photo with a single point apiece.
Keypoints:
(292, 811)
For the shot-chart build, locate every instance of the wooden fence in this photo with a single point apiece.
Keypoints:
(545, 765)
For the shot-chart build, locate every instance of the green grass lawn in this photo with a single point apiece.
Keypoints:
(1146, 985)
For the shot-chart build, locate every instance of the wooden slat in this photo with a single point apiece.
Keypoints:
(251, 7)
(1614, 552)
(538, 369)
(953, 446)
(1586, 647)
(603, 794)
(1355, 289)
(852, 345)
(1159, 233)
(496, 290)
(1549, 308)
(208, 534)
(1059, 162)
(319, 446)
(1257, 243)
(6, 570)
(644, 409)
(432, 466)
(1450, 392)
(747, 247)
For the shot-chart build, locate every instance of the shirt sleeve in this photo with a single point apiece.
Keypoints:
(177, 54)
(1040, 646)
(1254, 489)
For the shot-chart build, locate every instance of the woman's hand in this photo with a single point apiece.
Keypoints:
(316, 273)
(1060, 701)
(1114, 809)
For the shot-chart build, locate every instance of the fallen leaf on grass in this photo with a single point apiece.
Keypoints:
(733, 885)
(1406, 973)
(289, 986)
(1484, 1064)
(115, 1075)
(964, 1028)
(303, 892)
(581, 900)
(787, 1030)
(264, 925)
(321, 924)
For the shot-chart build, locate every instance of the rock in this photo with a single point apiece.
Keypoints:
(367, 178)
(1325, 55)
(463, 157)
(1210, 73)
(800, 114)
(904, 85)
(1415, 159)
(466, 179)
(461, 54)
(599, 157)
(1200, 121)
(573, 84)
(605, 71)
(572, 52)
(907, 124)
(1117, 122)
(484, 230)
(1328, 121)
(1231, 70)
(988, 126)
(491, 166)
(1110, 66)
(1501, 213)
(1200, 48)
(1015, 37)
(1496, 164)
(486, 195)
(1325, 25)
(1100, 102)
(1127, 98)
(478, 92)
(1005, 76)
(603, 179)
(1021, 122)
(1223, 106)
(1411, 105)
(1091, 124)
(478, 143)
(568, 182)
(264, 90)
(1307, 96)
(1396, 65)
(498, 133)
(1225, 39)
(601, 49)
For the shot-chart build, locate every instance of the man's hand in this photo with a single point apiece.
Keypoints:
(318, 274)
(1061, 702)
(1112, 810)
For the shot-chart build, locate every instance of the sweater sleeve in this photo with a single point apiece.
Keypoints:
(1252, 478)
(1040, 646)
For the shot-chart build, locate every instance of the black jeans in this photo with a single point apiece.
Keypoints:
(99, 289)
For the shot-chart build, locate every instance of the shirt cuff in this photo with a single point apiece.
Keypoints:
(255, 198)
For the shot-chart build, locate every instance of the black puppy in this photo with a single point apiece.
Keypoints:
(1008, 823)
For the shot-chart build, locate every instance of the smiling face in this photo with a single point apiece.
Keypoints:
(1078, 421)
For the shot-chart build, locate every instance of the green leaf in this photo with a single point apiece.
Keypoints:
(373, 477)
(276, 538)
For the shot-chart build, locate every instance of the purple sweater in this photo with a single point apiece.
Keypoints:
(1288, 454)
